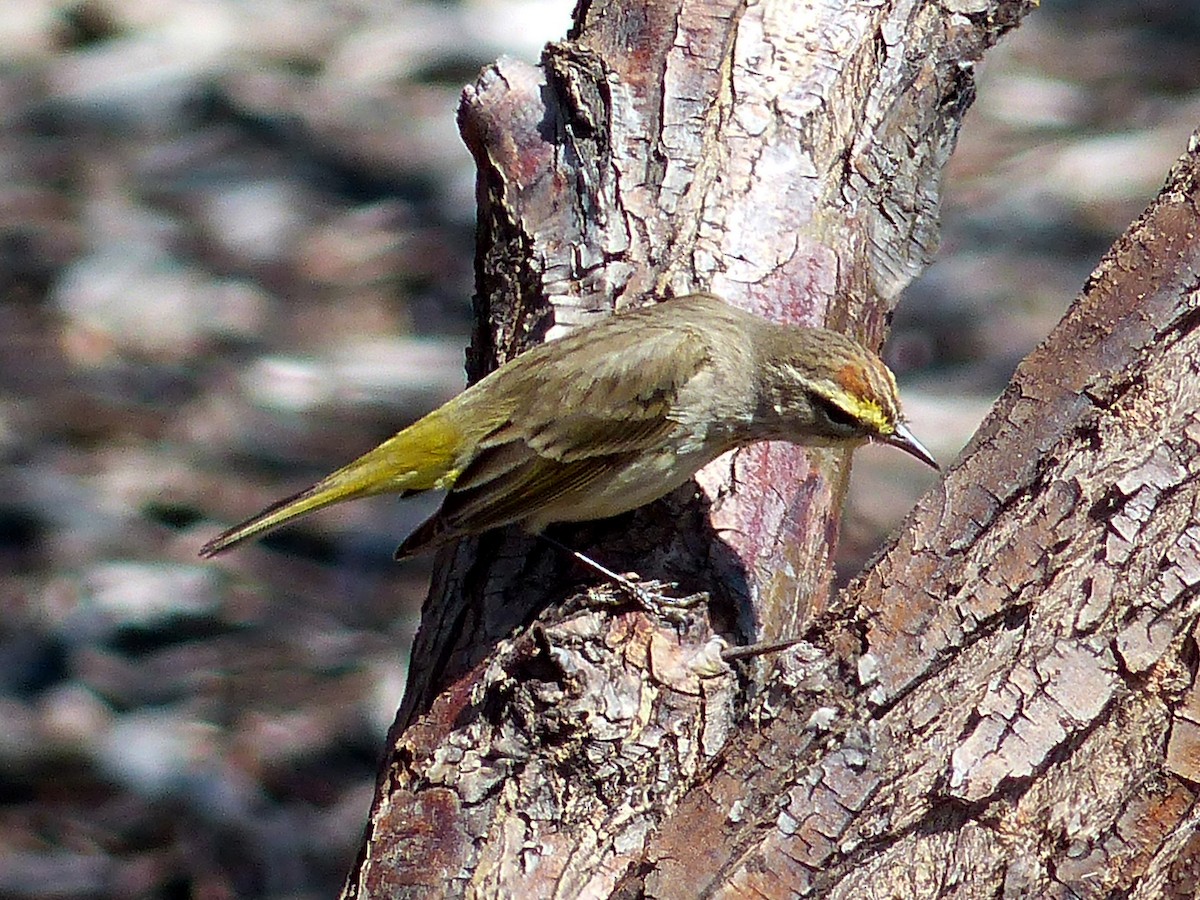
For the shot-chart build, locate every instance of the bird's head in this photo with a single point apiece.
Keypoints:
(826, 388)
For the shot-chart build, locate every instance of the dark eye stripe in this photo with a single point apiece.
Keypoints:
(836, 414)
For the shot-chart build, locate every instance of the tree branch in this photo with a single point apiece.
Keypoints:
(985, 711)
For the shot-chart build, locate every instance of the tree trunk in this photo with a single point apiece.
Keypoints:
(1000, 706)
(1005, 705)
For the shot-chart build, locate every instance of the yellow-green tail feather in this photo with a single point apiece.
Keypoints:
(423, 456)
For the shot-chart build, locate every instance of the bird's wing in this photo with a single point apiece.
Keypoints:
(570, 430)
(531, 484)
(622, 401)
(534, 484)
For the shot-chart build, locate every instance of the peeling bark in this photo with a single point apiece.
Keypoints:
(1004, 705)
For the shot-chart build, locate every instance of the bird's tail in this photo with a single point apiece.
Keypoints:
(423, 456)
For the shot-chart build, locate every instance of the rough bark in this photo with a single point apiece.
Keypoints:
(787, 156)
(1005, 705)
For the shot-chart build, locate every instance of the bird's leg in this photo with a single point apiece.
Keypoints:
(762, 648)
(651, 602)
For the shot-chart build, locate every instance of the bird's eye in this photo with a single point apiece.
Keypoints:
(836, 414)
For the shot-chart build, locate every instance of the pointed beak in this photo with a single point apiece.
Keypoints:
(907, 441)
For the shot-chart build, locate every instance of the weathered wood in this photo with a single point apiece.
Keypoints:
(1005, 704)
(787, 156)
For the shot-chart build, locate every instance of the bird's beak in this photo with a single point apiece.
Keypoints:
(907, 441)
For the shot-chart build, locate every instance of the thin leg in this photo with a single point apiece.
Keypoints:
(653, 602)
(619, 580)
(762, 648)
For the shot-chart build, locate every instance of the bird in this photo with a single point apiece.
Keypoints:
(613, 416)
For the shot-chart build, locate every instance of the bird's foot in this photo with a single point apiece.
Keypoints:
(650, 596)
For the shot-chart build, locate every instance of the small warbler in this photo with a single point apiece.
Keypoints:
(613, 416)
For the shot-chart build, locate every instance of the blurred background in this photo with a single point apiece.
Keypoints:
(235, 251)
